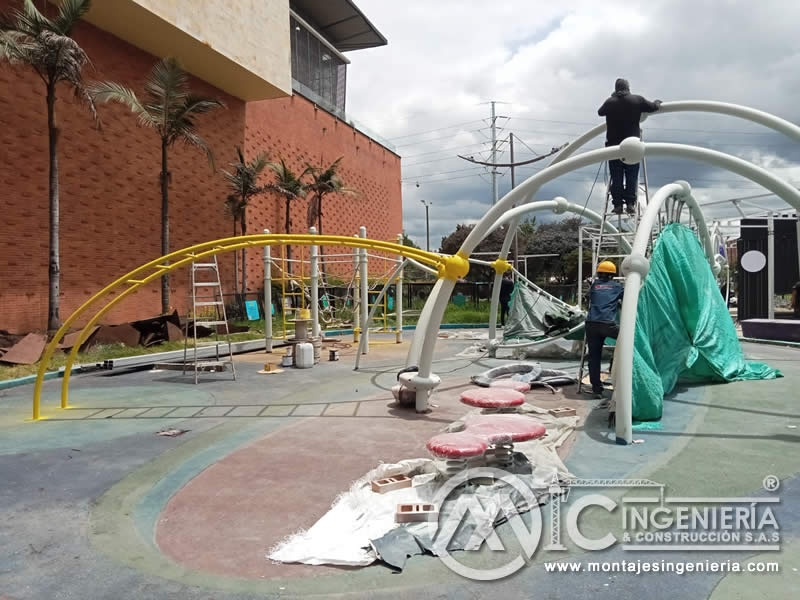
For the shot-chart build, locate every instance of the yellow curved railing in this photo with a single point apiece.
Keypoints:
(445, 265)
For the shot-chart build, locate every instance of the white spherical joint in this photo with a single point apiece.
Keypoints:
(719, 264)
(632, 149)
(635, 263)
(561, 205)
(687, 188)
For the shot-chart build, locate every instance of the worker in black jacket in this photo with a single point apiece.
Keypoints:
(601, 320)
(506, 289)
(623, 111)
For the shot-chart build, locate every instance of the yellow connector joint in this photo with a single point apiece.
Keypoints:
(454, 267)
(500, 266)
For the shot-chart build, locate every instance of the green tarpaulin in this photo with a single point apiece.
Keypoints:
(534, 315)
(683, 327)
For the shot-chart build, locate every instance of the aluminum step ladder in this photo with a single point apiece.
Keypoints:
(211, 314)
(609, 247)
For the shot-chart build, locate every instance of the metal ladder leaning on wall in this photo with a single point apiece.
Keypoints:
(212, 298)
(608, 247)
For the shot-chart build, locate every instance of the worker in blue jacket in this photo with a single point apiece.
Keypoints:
(605, 296)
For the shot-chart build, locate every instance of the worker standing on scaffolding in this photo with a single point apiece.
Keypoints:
(623, 111)
(605, 295)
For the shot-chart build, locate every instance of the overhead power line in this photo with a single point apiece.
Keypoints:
(441, 150)
(444, 137)
(435, 130)
(415, 177)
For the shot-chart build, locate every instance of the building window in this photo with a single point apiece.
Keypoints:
(318, 69)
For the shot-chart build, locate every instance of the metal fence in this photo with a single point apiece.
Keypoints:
(414, 293)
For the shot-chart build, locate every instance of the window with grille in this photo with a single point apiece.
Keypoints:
(318, 69)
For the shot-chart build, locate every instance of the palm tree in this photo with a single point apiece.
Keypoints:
(28, 37)
(243, 183)
(290, 186)
(170, 108)
(324, 182)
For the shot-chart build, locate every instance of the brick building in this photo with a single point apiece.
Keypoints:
(280, 68)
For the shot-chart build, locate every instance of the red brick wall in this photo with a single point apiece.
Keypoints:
(293, 129)
(110, 196)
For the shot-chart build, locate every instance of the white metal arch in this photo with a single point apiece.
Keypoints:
(631, 150)
(513, 216)
(723, 108)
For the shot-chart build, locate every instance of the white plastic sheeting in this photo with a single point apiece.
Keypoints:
(342, 536)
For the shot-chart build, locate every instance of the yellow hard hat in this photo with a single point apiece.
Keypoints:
(607, 267)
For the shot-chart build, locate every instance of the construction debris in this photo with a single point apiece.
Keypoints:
(416, 513)
(388, 484)
(563, 411)
(26, 351)
(172, 432)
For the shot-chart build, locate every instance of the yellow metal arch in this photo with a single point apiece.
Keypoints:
(445, 265)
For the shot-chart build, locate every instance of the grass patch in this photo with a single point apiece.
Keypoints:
(101, 353)
(468, 315)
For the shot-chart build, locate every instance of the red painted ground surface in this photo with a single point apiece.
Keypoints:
(226, 518)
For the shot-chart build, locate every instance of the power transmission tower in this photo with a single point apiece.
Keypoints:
(511, 164)
(494, 154)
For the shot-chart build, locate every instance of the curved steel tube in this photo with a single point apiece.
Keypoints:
(513, 216)
(721, 108)
(158, 267)
(635, 150)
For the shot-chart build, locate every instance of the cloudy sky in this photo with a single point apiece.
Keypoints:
(550, 65)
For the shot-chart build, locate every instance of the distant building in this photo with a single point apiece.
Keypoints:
(281, 68)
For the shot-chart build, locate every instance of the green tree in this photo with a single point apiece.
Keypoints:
(290, 186)
(324, 182)
(243, 182)
(170, 108)
(29, 38)
(561, 238)
(411, 272)
(492, 244)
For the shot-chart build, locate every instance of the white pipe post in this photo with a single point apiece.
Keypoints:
(314, 260)
(580, 266)
(771, 265)
(389, 282)
(398, 298)
(267, 297)
(635, 268)
(356, 294)
(363, 273)
(513, 223)
(629, 151)
(433, 312)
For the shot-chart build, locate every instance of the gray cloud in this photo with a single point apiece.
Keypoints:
(554, 65)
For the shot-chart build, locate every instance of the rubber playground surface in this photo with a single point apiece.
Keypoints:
(94, 504)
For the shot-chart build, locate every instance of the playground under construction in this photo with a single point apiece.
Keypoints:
(328, 456)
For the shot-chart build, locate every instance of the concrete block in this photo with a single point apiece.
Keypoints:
(388, 484)
(415, 513)
(563, 411)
